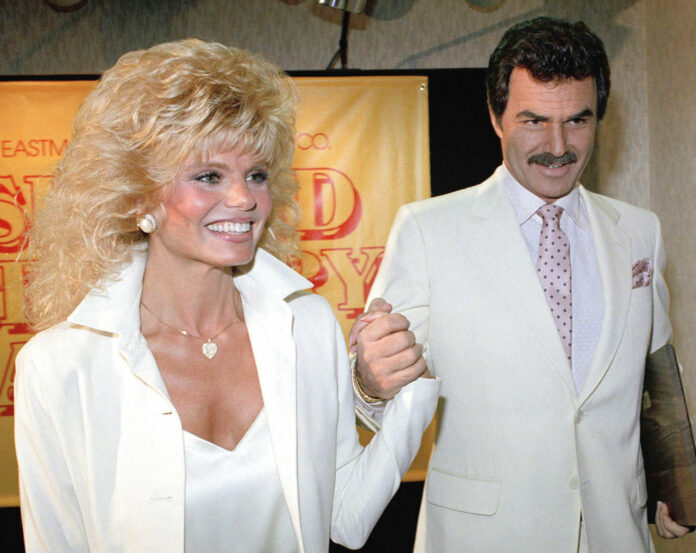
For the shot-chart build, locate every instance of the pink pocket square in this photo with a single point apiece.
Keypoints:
(642, 273)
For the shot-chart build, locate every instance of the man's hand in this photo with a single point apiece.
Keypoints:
(666, 527)
(388, 356)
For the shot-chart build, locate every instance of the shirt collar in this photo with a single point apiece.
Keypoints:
(525, 204)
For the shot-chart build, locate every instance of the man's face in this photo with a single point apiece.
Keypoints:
(547, 132)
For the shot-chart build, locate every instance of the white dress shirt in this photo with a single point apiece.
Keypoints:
(586, 285)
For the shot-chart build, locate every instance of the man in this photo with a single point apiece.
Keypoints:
(537, 448)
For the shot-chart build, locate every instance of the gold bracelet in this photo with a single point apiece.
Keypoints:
(353, 358)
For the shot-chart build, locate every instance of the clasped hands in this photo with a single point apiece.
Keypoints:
(388, 355)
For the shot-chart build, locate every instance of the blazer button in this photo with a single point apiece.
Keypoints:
(574, 483)
(579, 416)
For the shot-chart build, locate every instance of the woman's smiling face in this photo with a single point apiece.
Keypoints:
(215, 210)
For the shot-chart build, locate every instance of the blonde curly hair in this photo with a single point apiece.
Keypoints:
(148, 114)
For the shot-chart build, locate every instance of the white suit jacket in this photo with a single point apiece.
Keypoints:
(518, 453)
(100, 445)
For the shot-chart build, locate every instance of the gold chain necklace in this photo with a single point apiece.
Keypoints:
(209, 348)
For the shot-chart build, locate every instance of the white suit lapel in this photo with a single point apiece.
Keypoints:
(504, 251)
(269, 322)
(114, 307)
(613, 250)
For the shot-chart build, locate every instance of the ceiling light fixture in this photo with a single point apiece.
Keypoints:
(348, 7)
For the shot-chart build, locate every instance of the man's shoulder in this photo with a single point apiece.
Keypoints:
(457, 201)
(624, 212)
(461, 195)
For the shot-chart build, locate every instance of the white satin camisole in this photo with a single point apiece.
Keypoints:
(234, 501)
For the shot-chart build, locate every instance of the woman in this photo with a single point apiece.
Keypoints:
(188, 391)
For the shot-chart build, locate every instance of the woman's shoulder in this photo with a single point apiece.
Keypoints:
(306, 302)
(41, 362)
(55, 344)
(54, 334)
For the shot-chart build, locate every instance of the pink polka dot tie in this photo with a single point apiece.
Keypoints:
(553, 266)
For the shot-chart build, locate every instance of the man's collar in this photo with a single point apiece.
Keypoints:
(525, 204)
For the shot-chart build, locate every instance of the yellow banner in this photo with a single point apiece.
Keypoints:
(362, 151)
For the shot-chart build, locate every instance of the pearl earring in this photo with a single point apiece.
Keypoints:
(147, 223)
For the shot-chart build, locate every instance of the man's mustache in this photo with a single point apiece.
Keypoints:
(547, 158)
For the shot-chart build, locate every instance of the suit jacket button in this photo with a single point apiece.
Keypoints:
(579, 416)
(574, 483)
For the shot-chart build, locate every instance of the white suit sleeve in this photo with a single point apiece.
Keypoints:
(403, 278)
(366, 479)
(51, 517)
(661, 327)
(403, 281)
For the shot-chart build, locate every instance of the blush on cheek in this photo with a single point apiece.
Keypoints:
(182, 214)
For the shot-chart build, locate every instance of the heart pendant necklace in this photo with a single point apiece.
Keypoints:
(209, 347)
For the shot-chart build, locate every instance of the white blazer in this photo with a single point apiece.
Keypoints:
(518, 453)
(100, 445)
